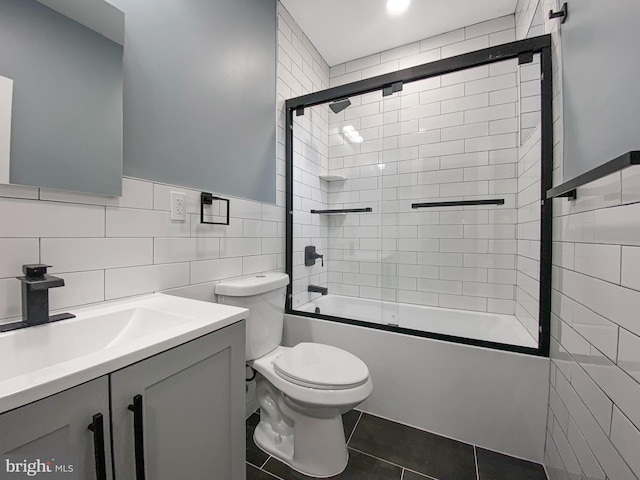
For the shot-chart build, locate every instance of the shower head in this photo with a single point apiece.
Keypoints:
(339, 105)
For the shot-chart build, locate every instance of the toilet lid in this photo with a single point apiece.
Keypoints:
(321, 366)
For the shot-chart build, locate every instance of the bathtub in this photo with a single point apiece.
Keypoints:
(492, 398)
(492, 327)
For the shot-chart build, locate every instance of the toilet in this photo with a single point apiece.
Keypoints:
(302, 390)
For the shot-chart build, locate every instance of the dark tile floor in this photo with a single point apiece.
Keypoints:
(380, 449)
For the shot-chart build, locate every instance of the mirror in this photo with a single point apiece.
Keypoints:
(61, 94)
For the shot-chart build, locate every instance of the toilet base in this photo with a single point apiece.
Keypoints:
(312, 445)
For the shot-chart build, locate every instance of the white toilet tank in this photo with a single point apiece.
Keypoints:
(264, 295)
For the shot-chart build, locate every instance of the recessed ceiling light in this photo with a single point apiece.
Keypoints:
(396, 7)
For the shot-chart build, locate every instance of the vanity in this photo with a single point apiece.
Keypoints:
(146, 388)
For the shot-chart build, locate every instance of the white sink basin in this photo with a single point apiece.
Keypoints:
(31, 349)
(39, 361)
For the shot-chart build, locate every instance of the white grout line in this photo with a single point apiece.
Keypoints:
(475, 458)
(403, 468)
(621, 264)
(391, 463)
(377, 458)
(503, 453)
(264, 471)
(416, 428)
(418, 473)
(354, 428)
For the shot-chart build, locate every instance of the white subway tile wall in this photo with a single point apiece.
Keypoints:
(593, 427)
(529, 23)
(528, 249)
(105, 250)
(304, 71)
(448, 138)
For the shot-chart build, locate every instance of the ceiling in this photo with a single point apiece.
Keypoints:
(344, 30)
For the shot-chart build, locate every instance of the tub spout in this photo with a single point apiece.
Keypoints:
(317, 289)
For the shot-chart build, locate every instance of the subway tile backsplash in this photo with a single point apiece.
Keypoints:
(25, 218)
(107, 248)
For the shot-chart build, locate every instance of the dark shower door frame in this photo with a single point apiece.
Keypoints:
(524, 51)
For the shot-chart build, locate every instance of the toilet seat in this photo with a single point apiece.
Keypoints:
(321, 367)
(307, 394)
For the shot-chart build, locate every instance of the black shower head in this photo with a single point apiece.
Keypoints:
(339, 105)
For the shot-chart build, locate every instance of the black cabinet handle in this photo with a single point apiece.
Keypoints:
(97, 427)
(138, 432)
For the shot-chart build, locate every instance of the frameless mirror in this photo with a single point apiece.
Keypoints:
(61, 94)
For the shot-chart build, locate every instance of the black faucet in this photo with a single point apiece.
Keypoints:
(35, 297)
(317, 289)
(310, 256)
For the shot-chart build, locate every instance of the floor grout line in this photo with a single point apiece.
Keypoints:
(252, 464)
(412, 427)
(394, 464)
(354, 428)
(403, 468)
(265, 471)
(272, 475)
(475, 459)
(429, 477)
(377, 458)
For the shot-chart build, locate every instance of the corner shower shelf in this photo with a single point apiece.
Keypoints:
(569, 189)
(459, 203)
(333, 178)
(342, 211)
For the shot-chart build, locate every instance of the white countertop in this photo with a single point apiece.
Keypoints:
(39, 361)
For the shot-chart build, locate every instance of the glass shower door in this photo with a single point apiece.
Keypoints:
(425, 199)
(354, 238)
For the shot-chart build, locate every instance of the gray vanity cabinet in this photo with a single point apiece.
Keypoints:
(190, 401)
(181, 412)
(56, 429)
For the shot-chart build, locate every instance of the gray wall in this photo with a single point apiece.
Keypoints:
(600, 69)
(67, 100)
(199, 94)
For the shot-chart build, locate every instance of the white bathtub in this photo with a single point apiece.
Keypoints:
(491, 327)
(492, 398)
